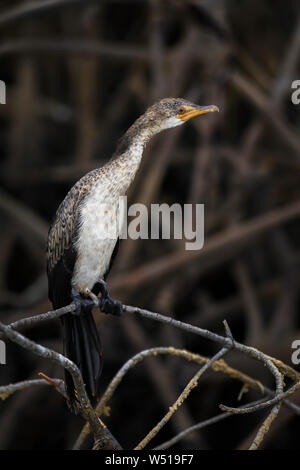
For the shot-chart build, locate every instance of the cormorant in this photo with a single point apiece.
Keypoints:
(79, 257)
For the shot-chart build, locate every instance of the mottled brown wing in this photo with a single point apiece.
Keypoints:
(60, 233)
(64, 228)
(61, 254)
(81, 341)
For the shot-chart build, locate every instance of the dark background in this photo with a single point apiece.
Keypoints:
(78, 74)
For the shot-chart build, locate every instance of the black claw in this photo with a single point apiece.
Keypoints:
(77, 301)
(80, 302)
(107, 304)
(103, 288)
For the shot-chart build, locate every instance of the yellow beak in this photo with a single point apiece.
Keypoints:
(193, 111)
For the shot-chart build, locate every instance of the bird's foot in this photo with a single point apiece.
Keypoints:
(80, 302)
(107, 303)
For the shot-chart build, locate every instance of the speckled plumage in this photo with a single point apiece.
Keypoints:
(79, 221)
(78, 253)
(77, 215)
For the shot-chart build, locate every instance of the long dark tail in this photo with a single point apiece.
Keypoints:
(82, 345)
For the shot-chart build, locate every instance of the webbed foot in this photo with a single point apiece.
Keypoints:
(107, 303)
(80, 303)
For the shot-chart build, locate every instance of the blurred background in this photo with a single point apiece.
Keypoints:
(78, 73)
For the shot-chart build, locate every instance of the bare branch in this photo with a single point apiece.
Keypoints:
(37, 319)
(265, 427)
(100, 431)
(33, 8)
(276, 367)
(192, 384)
(265, 404)
(196, 427)
(7, 390)
(217, 366)
(75, 47)
(249, 351)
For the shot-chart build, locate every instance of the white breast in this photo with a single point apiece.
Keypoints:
(99, 226)
(97, 237)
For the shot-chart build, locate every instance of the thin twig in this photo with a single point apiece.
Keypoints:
(264, 404)
(33, 8)
(37, 319)
(265, 428)
(76, 47)
(191, 385)
(196, 427)
(7, 390)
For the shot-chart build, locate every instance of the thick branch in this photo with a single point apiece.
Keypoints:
(100, 432)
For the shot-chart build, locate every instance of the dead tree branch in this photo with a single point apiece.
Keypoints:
(7, 390)
(103, 438)
(101, 433)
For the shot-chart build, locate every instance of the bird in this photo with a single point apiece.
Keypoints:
(80, 256)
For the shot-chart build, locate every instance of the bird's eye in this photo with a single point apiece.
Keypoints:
(181, 110)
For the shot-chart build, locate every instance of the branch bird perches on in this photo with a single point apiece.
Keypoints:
(102, 436)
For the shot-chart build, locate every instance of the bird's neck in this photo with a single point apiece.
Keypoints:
(129, 152)
(137, 136)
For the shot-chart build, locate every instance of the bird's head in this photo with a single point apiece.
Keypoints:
(172, 112)
(166, 113)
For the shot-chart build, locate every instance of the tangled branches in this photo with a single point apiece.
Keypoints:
(103, 439)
